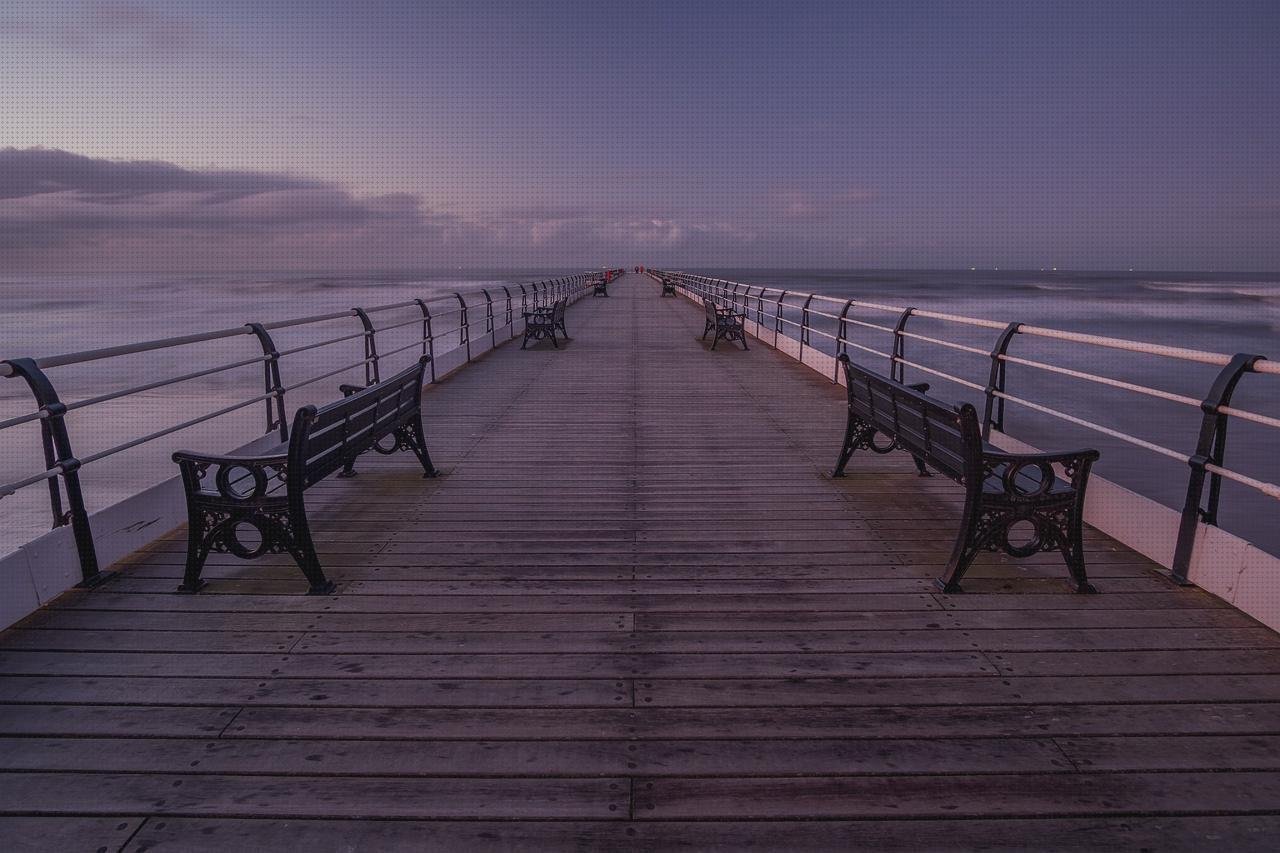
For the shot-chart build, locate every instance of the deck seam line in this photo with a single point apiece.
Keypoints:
(1071, 761)
(134, 834)
(234, 717)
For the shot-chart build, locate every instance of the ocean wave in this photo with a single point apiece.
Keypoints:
(1247, 289)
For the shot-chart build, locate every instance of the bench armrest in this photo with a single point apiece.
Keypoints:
(258, 477)
(348, 390)
(243, 461)
(1077, 462)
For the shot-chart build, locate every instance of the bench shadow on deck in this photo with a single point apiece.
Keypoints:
(633, 613)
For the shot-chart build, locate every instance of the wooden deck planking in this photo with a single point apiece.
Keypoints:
(634, 600)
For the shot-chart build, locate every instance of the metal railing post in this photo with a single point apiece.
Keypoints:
(777, 318)
(464, 325)
(271, 381)
(842, 331)
(510, 326)
(428, 339)
(371, 375)
(897, 370)
(1211, 449)
(994, 415)
(53, 424)
(804, 327)
(488, 319)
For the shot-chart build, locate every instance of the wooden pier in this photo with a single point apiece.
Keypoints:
(635, 614)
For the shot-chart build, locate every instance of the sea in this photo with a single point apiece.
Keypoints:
(1217, 312)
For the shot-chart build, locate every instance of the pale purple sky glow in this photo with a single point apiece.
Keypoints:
(321, 135)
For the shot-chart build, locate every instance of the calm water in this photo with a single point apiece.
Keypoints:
(1223, 313)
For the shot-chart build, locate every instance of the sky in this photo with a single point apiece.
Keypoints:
(387, 135)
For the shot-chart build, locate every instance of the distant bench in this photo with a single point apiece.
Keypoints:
(601, 288)
(542, 323)
(225, 494)
(724, 322)
(1003, 491)
(668, 287)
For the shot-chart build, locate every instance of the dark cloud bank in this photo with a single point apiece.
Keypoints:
(60, 210)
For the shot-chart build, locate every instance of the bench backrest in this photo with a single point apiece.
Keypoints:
(557, 311)
(324, 438)
(710, 308)
(947, 437)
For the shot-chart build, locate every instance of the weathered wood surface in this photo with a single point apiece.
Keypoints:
(634, 614)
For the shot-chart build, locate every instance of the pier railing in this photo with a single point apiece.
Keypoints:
(814, 329)
(450, 328)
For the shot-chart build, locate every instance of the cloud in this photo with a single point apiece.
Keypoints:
(790, 203)
(65, 211)
(56, 205)
(1260, 209)
(118, 29)
(38, 171)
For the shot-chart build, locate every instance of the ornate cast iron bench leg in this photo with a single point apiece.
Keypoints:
(411, 437)
(857, 436)
(1055, 516)
(197, 550)
(303, 549)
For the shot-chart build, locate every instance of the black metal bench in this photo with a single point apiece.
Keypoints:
(226, 494)
(668, 287)
(1004, 492)
(601, 288)
(726, 324)
(542, 323)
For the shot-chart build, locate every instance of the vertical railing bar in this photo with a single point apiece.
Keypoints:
(428, 338)
(271, 381)
(371, 375)
(804, 326)
(842, 329)
(1210, 448)
(777, 318)
(994, 414)
(464, 325)
(54, 411)
(897, 370)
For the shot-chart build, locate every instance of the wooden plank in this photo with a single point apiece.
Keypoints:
(1097, 662)
(66, 834)
(537, 758)
(582, 588)
(311, 797)
(972, 620)
(1054, 795)
(781, 723)
(925, 691)
(505, 758)
(494, 666)
(235, 602)
(348, 692)
(1069, 601)
(252, 622)
(1221, 753)
(1174, 834)
(112, 721)
(711, 642)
